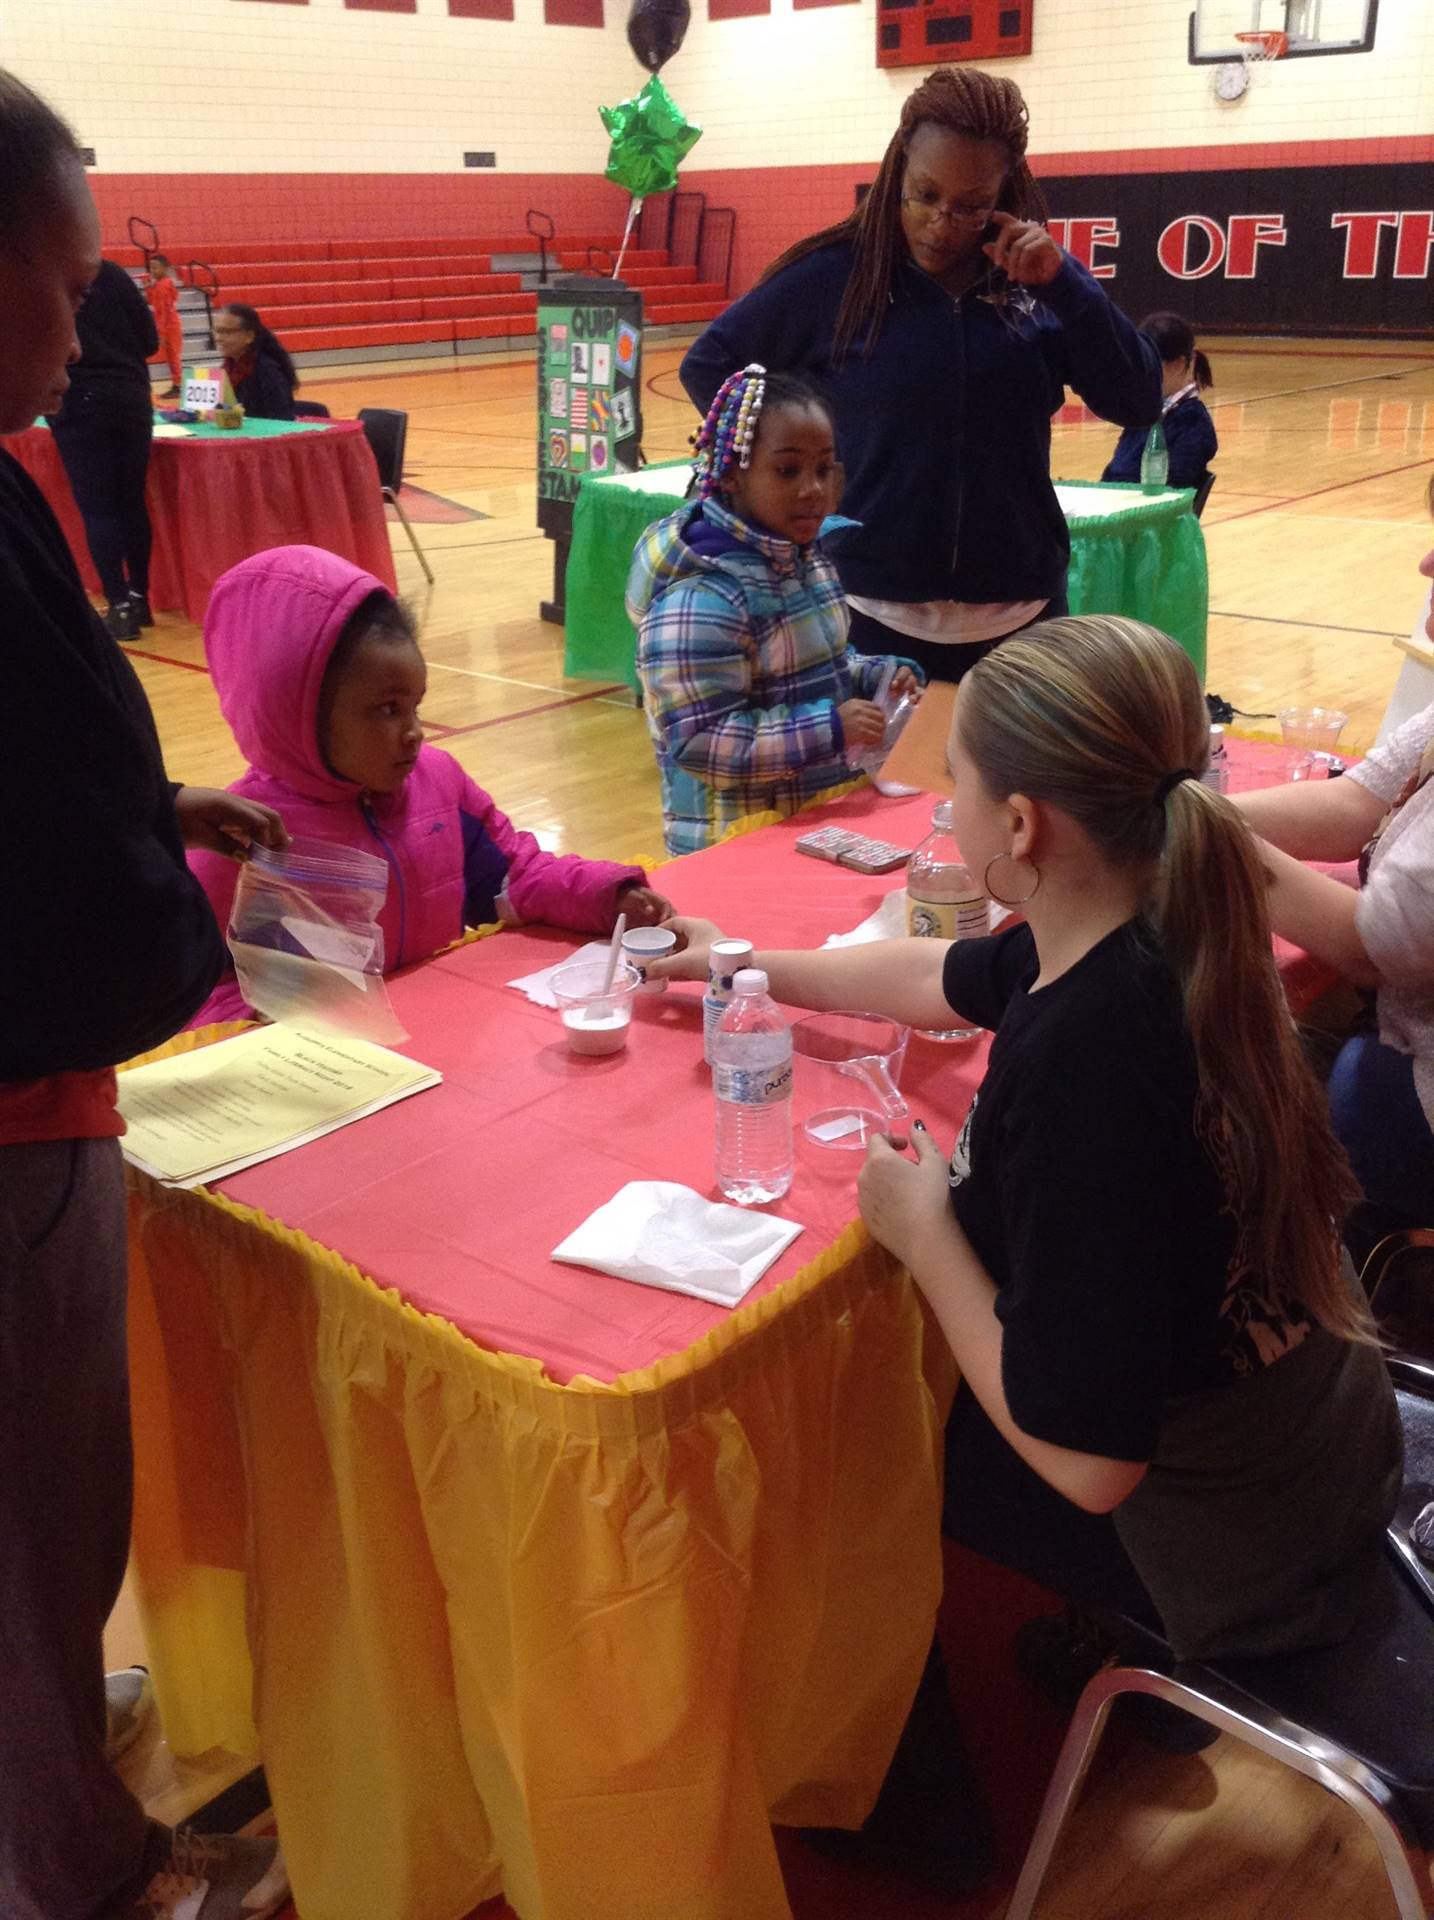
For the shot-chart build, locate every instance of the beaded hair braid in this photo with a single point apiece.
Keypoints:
(726, 437)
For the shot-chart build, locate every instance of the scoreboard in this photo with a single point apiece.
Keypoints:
(927, 33)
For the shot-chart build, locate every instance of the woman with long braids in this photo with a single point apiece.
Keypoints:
(944, 324)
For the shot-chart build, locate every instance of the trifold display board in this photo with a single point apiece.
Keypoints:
(589, 400)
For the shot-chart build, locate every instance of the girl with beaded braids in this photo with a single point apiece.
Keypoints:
(945, 324)
(753, 697)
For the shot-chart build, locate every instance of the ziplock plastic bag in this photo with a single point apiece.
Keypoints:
(898, 709)
(307, 946)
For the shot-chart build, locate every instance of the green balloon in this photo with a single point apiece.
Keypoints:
(650, 135)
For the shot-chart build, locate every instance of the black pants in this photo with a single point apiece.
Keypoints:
(106, 455)
(937, 662)
(73, 1840)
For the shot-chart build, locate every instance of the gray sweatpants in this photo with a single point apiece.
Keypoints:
(74, 1843)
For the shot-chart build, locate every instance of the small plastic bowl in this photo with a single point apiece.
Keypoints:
(595, 1022)
(648, 943)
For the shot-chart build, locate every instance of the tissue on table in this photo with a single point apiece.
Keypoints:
(665, 1235)
(538, 986)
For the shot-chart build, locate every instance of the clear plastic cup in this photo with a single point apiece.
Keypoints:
(595, 1022)
(848, 1077)
(1310, 735)
(641, 944)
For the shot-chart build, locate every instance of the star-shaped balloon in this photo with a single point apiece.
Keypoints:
(650, 135)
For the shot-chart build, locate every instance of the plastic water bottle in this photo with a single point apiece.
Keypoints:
(1155, 460)
(1217, 774)
(752, 1079)
(725, 960)
(943, 902)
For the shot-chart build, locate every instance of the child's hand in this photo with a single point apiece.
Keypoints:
(904, 684)
(1023, 250)
(643, 907)
(223, 823)
(689, 961)
(863, 724)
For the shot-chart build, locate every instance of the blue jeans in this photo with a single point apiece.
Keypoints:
(1383, 1129)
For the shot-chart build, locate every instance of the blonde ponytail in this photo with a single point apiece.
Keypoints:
(1093, 716)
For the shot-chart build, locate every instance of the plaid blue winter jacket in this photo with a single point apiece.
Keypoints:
(743, 658)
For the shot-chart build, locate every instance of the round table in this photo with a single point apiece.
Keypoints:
(1137, 553)
(217, 496)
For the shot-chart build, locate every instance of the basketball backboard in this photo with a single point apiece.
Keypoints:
(1312, 26)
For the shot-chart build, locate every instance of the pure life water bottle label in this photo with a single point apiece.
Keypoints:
(753, 1086)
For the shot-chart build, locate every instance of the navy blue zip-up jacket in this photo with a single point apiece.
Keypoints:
(1190, 441)
(945, 431)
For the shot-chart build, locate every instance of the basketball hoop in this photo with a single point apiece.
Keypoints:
(1268, 43)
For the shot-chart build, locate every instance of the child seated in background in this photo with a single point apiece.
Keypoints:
(753, 697)
(1190, 437)
(320, 677)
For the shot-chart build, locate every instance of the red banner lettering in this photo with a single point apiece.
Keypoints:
(1363, 232)
(1174, 249)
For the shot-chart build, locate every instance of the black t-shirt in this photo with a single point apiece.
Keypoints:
(1084, 1191)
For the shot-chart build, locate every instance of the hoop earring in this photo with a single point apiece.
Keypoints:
(1000, 898)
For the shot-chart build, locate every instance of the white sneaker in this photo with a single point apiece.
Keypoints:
(129, 1701)
(215, 1876)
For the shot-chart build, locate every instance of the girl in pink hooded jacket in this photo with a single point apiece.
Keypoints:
(320, 678)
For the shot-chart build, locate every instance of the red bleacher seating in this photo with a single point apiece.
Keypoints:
(327, 296)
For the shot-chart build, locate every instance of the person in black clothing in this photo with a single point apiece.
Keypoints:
(944, 324)
(108, 946)
(103, 434)
(1190, 438)
(1171, 1404)
(259, 368)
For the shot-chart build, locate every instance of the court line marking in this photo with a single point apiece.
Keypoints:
(498, 679)
(164, 659)
(527, 713)
(1322, 626)
(1337, 486)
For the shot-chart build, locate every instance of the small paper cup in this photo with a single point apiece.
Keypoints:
(595, 1022)
(643, 944)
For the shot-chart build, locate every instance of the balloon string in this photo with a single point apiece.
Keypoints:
(633, 212)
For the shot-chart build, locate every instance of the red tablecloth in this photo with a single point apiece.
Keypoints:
(214, 501)
(422, 1196)
(457, 1197)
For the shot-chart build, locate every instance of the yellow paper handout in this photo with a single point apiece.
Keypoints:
(202, 1115)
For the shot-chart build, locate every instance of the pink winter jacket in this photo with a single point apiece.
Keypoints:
(455, 860)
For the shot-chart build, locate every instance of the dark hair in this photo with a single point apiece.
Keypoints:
(158, 260)
(962, 100)
(1174, 339)
(269, 344)
(377, 613)
(726, 437)
(35, 143)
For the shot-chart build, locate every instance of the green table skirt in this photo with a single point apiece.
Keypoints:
(1144, 558)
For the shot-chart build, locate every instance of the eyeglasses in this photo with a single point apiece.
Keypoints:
(929, 210)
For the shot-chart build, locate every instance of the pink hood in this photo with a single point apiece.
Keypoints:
(455, 857)
(270, 631)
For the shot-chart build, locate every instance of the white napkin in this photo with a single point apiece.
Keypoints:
(889, 922)
(665, 1235)
(538, 986)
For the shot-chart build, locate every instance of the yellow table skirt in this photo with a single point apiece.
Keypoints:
(581, 1643)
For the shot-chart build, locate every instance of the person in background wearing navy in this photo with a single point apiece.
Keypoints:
(102, 434)
(109, 945)
(1190, 438)
(944, 324)
(257, 362)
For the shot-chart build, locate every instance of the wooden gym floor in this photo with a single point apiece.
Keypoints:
(1314, 531)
